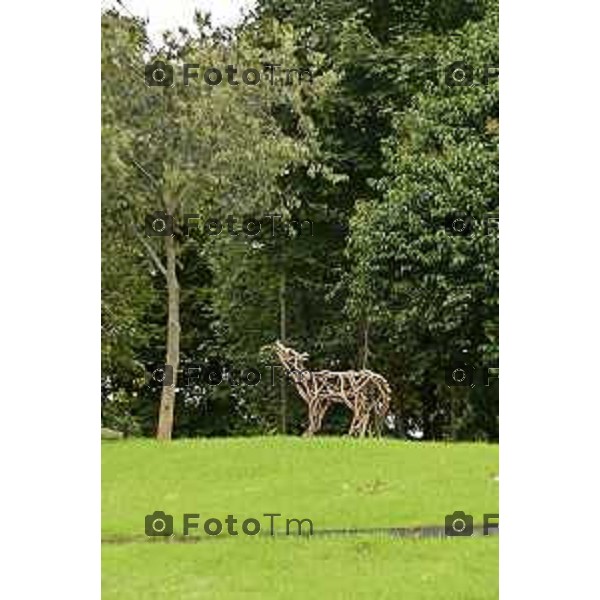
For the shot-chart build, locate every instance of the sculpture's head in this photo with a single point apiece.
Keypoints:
(289, 357)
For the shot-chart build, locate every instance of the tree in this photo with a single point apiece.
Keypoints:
(189, 149)
(432, 296)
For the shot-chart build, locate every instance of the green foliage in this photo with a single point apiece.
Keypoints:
(432, 296)
(117, 415)
(376, 152)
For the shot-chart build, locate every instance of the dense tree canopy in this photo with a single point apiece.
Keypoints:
(372, 162)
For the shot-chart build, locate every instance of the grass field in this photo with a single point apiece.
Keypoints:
(335, 482)
(290, 569)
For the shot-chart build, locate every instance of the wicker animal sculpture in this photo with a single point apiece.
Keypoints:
(365, 393)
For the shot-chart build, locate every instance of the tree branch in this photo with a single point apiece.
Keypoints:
(151, 252)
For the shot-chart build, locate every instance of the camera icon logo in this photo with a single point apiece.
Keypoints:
(159, 74)
(159, 224)
(460, 375)
(459, 224)
(162, 375)
(459, 73)
(459, 524)
(158, 524)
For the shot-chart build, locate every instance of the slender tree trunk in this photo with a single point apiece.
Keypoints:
(282, 335)
(429, 404)
(167, 400)
(363, 349)
(399, 421)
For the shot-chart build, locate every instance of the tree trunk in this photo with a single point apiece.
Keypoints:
(363, 349)
(429, 410)
(167, 400)
(399, 424)
(282, 335)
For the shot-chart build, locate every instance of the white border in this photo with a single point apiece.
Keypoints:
(549, 300)
(50, 312)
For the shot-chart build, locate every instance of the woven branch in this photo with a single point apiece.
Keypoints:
(365, 393)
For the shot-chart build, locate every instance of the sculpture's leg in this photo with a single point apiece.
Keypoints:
(320, 414)
(370, 430)
(379, 414)
(317, 422)
(364, 424)
(360, 411)
(377, 425)
(311, 421)
(355, 424)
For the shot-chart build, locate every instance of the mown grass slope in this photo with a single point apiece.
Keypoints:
(336, 482)
(301, 568)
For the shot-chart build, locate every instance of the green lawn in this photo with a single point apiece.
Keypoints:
(336, 482)
(290, 569)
